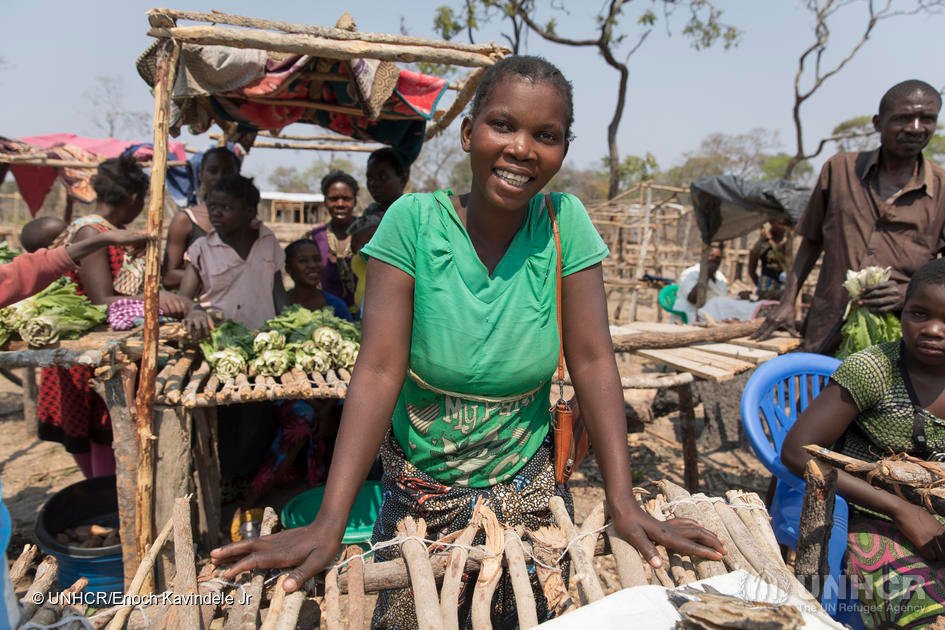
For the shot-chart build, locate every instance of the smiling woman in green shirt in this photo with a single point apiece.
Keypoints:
(459, 345)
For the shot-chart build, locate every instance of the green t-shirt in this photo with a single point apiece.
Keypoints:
(479, 335)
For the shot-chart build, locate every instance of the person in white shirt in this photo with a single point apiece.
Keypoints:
(717, 285)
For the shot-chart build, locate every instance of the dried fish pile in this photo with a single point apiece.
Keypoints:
(187, 380)
(919, 481)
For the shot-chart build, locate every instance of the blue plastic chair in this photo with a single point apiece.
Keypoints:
(774, 397)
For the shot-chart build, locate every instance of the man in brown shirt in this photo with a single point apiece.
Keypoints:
(884, 207)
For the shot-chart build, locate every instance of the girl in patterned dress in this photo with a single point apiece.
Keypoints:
(889, 398)
(461, 298)
(68, 410)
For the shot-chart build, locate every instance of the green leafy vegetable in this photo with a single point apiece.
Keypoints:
(8, 253)
(56, 312)
(862, 328)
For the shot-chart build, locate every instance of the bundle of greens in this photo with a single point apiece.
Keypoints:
(57, 312)
(228, 349)
(311, 341)
(8, 253)
(862, 328)
(298, 323)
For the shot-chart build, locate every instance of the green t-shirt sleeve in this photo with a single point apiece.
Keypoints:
(865, 375)
(581, 244)
(395, 241)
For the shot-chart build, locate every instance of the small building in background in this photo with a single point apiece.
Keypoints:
(286, 207)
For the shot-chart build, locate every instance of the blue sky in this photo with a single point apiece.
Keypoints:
(53, 49)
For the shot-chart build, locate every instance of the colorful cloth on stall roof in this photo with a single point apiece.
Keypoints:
(35, 182)
(475, 407)
(896, 586)
(519, 501)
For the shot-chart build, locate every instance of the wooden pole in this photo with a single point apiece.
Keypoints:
(161, 17)
(687, 427)
(321, 46)
(464, 96)
(30, 394)
(589, 588)
(813, 538)
(654, 340)
(421, 574)
(167, 65)
(521, 586)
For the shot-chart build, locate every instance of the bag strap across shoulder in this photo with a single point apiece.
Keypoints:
(549, 204)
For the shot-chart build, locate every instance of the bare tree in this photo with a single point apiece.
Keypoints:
(435, 166)
(109, 114)
(703, 28)
(813, 69)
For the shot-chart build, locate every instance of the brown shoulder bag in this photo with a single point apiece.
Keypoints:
(571, 441)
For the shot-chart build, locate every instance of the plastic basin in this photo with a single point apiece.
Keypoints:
(93, 501)
(301, 511)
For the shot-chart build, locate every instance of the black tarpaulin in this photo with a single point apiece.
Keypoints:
(727, 207)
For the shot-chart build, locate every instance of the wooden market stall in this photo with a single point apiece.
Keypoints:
(184, 392)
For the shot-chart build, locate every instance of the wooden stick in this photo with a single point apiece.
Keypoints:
(46, 574)
(332, 609)
(357, 600)
(490, 571)
(680, 567)
(225, 395)
(177, 374)
(189, 396)
(243, 388)
(630, 565)
(246, 612)
(334, 137)
(144, 507)
(292, 606)
(144, 570)
(344, 375)
(589, 588)
(549, 544)
(259, 387)
(813, 537)
(162, 377)
(687, 421)
(649, 381)
(275, 605)
(933, 499)
(421, 573)
(757, 520)
(705, 568)
(653, 340)
(185, 578)
(452, 578)
(319, 46)
(23, 563)
(53, 163)
(521, 586)
(734, 558)
(661, 574)
(291, 389)
(217, 17)
(464, 96)
(594, 521)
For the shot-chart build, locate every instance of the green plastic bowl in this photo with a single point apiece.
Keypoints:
(301, 511)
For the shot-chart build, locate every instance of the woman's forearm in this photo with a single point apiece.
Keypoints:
(600, 395)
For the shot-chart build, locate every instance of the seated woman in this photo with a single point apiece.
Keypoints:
(889, 398)
(191, 223)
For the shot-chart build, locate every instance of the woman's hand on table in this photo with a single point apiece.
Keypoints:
(307, 550)
(198, 324)
(678, 534)
(925, 531)
(172, 304)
